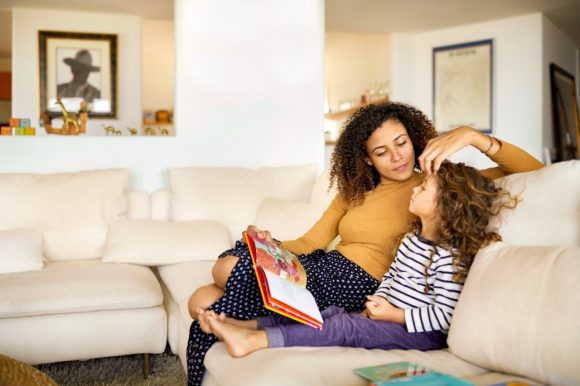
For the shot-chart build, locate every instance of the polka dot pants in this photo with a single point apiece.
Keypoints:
(332, 279)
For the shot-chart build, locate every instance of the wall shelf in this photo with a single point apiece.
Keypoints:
(341, 115)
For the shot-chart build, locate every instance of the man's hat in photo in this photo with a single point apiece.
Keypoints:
(84, 59)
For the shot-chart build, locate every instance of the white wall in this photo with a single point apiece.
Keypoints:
(561, 50)
(158, 64)
(517, 78)
(353, 63)
(25, 94)
(249, 92)
(249, 81)
(402, 77)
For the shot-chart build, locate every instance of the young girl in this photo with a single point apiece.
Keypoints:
(413, 306)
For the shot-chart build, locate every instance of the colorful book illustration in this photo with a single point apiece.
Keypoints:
(282, 281)
(408, 374)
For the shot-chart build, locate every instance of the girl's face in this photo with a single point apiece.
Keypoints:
(390, 151)
(424, 199)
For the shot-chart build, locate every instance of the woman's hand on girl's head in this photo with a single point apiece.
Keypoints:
(257, 232)
(440, 148)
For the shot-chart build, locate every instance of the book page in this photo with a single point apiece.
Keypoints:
(292, 295)
(279, 261)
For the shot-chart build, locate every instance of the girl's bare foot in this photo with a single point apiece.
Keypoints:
(240, 341)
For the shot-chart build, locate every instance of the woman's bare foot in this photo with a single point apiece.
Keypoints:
(240, 341)
(203, 317)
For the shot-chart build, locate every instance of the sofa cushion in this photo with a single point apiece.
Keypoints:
(233, 195)
(549, 213)
(150, 242)
(320, 195)
(518, 313)
(182, 279)
(20, 250)
(71, 210)
(320, 365)
(287, 220)
(78, 286)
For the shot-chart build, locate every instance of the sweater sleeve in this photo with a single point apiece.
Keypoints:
(321, 233)
(511, 159)
(436, 316)
(388, 277)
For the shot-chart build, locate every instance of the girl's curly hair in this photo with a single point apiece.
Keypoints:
(348, 169)
(466, 201)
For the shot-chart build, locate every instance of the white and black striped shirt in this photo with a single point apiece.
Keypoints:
(404, 285)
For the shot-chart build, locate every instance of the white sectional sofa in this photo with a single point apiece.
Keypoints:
(107, 271)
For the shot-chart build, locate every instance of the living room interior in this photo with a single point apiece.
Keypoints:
(264, 84)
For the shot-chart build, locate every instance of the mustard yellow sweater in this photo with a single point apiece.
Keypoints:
(368, 231)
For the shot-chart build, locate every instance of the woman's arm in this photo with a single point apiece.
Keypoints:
(321, 233)
(510, 159)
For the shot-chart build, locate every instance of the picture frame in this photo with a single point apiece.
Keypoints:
(566, 122)
(77, 66)
(463, 86)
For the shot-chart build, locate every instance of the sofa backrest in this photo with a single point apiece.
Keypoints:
(518, 313)
(549, 213)
(233, 195)
(72, 211)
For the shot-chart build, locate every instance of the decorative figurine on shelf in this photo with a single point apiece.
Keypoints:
(149, 131)
(72, 124)
(110, 130)
(132, 130)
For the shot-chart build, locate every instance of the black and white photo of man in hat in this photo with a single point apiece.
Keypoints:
(81, 66)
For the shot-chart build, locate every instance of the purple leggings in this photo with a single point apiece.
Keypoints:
(341, 328)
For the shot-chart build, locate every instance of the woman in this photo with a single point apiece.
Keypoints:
(413, 307)
(373, 166)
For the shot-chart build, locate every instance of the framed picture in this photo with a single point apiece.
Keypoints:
(462, 86)
(565, 114)
(78, 67)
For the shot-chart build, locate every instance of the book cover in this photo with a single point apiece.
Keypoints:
(408, 374)
(282, 281)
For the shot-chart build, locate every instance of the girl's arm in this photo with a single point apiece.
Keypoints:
(436, 316)
(510, 159)
(378, 308)
(321, 233)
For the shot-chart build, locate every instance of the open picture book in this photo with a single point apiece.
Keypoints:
(282, 281)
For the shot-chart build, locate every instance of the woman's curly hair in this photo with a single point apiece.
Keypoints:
(466, 201)
(349, 169)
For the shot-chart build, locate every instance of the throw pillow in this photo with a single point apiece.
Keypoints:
(20, 250)
(71, 210)
(154, 243)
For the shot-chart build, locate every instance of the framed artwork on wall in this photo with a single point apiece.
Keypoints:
(77, 66)
(462, 86)
(564, 114)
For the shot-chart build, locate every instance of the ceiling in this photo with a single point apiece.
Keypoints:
(388, 16)
(357, 16)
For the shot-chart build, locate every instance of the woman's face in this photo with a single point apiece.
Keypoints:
(390, 151)
(423, 202)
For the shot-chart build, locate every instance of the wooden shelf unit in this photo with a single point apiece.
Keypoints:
(341, 115)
